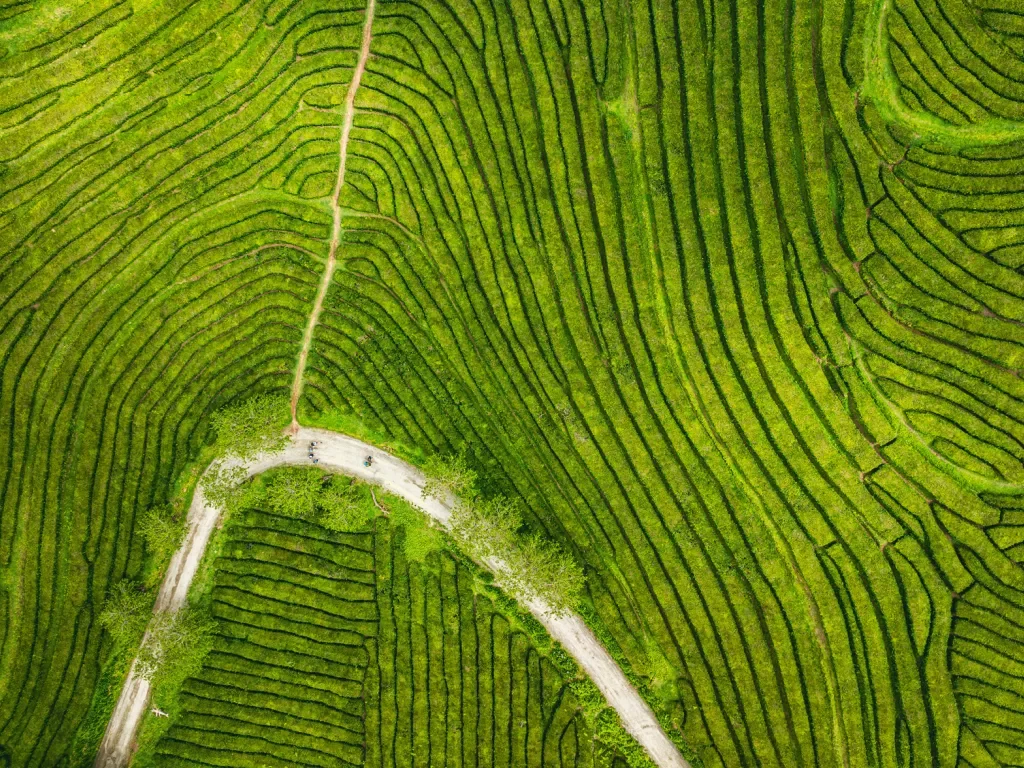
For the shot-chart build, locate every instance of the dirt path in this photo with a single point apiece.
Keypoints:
(344, 454)
(325, 281)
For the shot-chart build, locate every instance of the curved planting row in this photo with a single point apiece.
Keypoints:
(950, 63)
(283, 683)
(454, 683)
(939, 328)
(662, 273)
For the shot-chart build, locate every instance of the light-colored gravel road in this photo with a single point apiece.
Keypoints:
(343, 454)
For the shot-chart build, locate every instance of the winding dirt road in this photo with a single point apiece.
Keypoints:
(344, 454)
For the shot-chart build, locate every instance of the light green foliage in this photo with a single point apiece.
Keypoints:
(250, 427)
(486, 527)
(125, 613)
(421, 537)
(609, 729)
(223, 485)
(333, 501)
(343, 507)
(175, 646)
(539, 568)
(534, 567)
(449, 476)
(162, 532)
(295, 491)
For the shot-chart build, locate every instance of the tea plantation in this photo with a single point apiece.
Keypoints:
(728, 295)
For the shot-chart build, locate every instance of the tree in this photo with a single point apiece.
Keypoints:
(294, 491)
(251, 427)
(449, 476)
(125, 613)
(343, 509)
(161, 532)
(539, 568)
(176, 645)
(486, 528)
(222, 485)
(535, 568)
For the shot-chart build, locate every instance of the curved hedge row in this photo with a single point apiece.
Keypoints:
(664, 274)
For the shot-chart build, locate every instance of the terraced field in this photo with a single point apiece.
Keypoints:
(730, 295)
(344, 650)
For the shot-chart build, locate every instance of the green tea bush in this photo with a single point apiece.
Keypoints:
(728, 295)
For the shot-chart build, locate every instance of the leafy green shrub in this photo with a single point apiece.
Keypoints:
(609, 730)
(175, 646)
(222, 485)
(420, 536)
(162, 532)
(564, 662)
(251, 427)
(125, 613)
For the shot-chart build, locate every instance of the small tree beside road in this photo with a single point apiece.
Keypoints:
(449, 475)
(343, 509)
(125, 613)
(175, 645)
(161, 532)
(251, 427)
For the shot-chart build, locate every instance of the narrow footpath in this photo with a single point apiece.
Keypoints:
(339, 182)
(344, 454)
